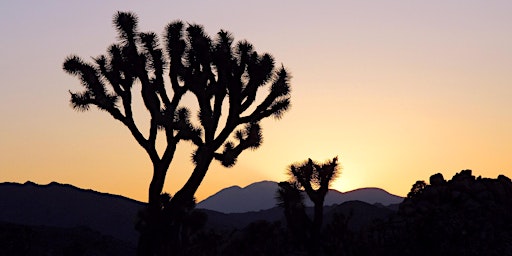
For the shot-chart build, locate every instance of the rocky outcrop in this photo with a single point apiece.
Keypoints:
(466, 215)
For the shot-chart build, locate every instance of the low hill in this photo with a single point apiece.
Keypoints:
(359, 214)
(66, 206)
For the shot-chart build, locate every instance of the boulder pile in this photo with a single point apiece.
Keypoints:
(466, 215)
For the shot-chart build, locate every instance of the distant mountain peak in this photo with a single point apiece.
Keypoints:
(261, 183)
(369, 189)
(51, 184)
(232, 187)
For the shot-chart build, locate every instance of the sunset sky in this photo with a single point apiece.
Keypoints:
(399, 90)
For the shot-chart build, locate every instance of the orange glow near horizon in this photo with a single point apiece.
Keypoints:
(398, 90)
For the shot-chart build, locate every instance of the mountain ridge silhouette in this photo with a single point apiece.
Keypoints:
(261, 196)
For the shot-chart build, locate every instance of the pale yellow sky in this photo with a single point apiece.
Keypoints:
(399, 90)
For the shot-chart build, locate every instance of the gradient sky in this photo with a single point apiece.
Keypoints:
(399, 90)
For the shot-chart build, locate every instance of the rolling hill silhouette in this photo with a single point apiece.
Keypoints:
(261, 196)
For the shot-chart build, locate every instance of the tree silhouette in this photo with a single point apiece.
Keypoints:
(222, 75)
(291, 199)
(417, 189)
(314, 179)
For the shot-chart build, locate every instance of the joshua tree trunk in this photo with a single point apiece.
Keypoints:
(187, 192)
(149, 233)
(156, 186)
(317, 226)
(318, 218)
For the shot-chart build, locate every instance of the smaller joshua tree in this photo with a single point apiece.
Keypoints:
(291, 199)
(314, 179)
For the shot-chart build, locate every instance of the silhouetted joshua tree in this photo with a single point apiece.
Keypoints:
(314, 179)
(222, 75)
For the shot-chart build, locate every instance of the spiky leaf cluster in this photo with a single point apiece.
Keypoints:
(314, 177)
(248, 138)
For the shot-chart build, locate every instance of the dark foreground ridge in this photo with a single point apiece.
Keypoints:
(18, 239)
(466, 215)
